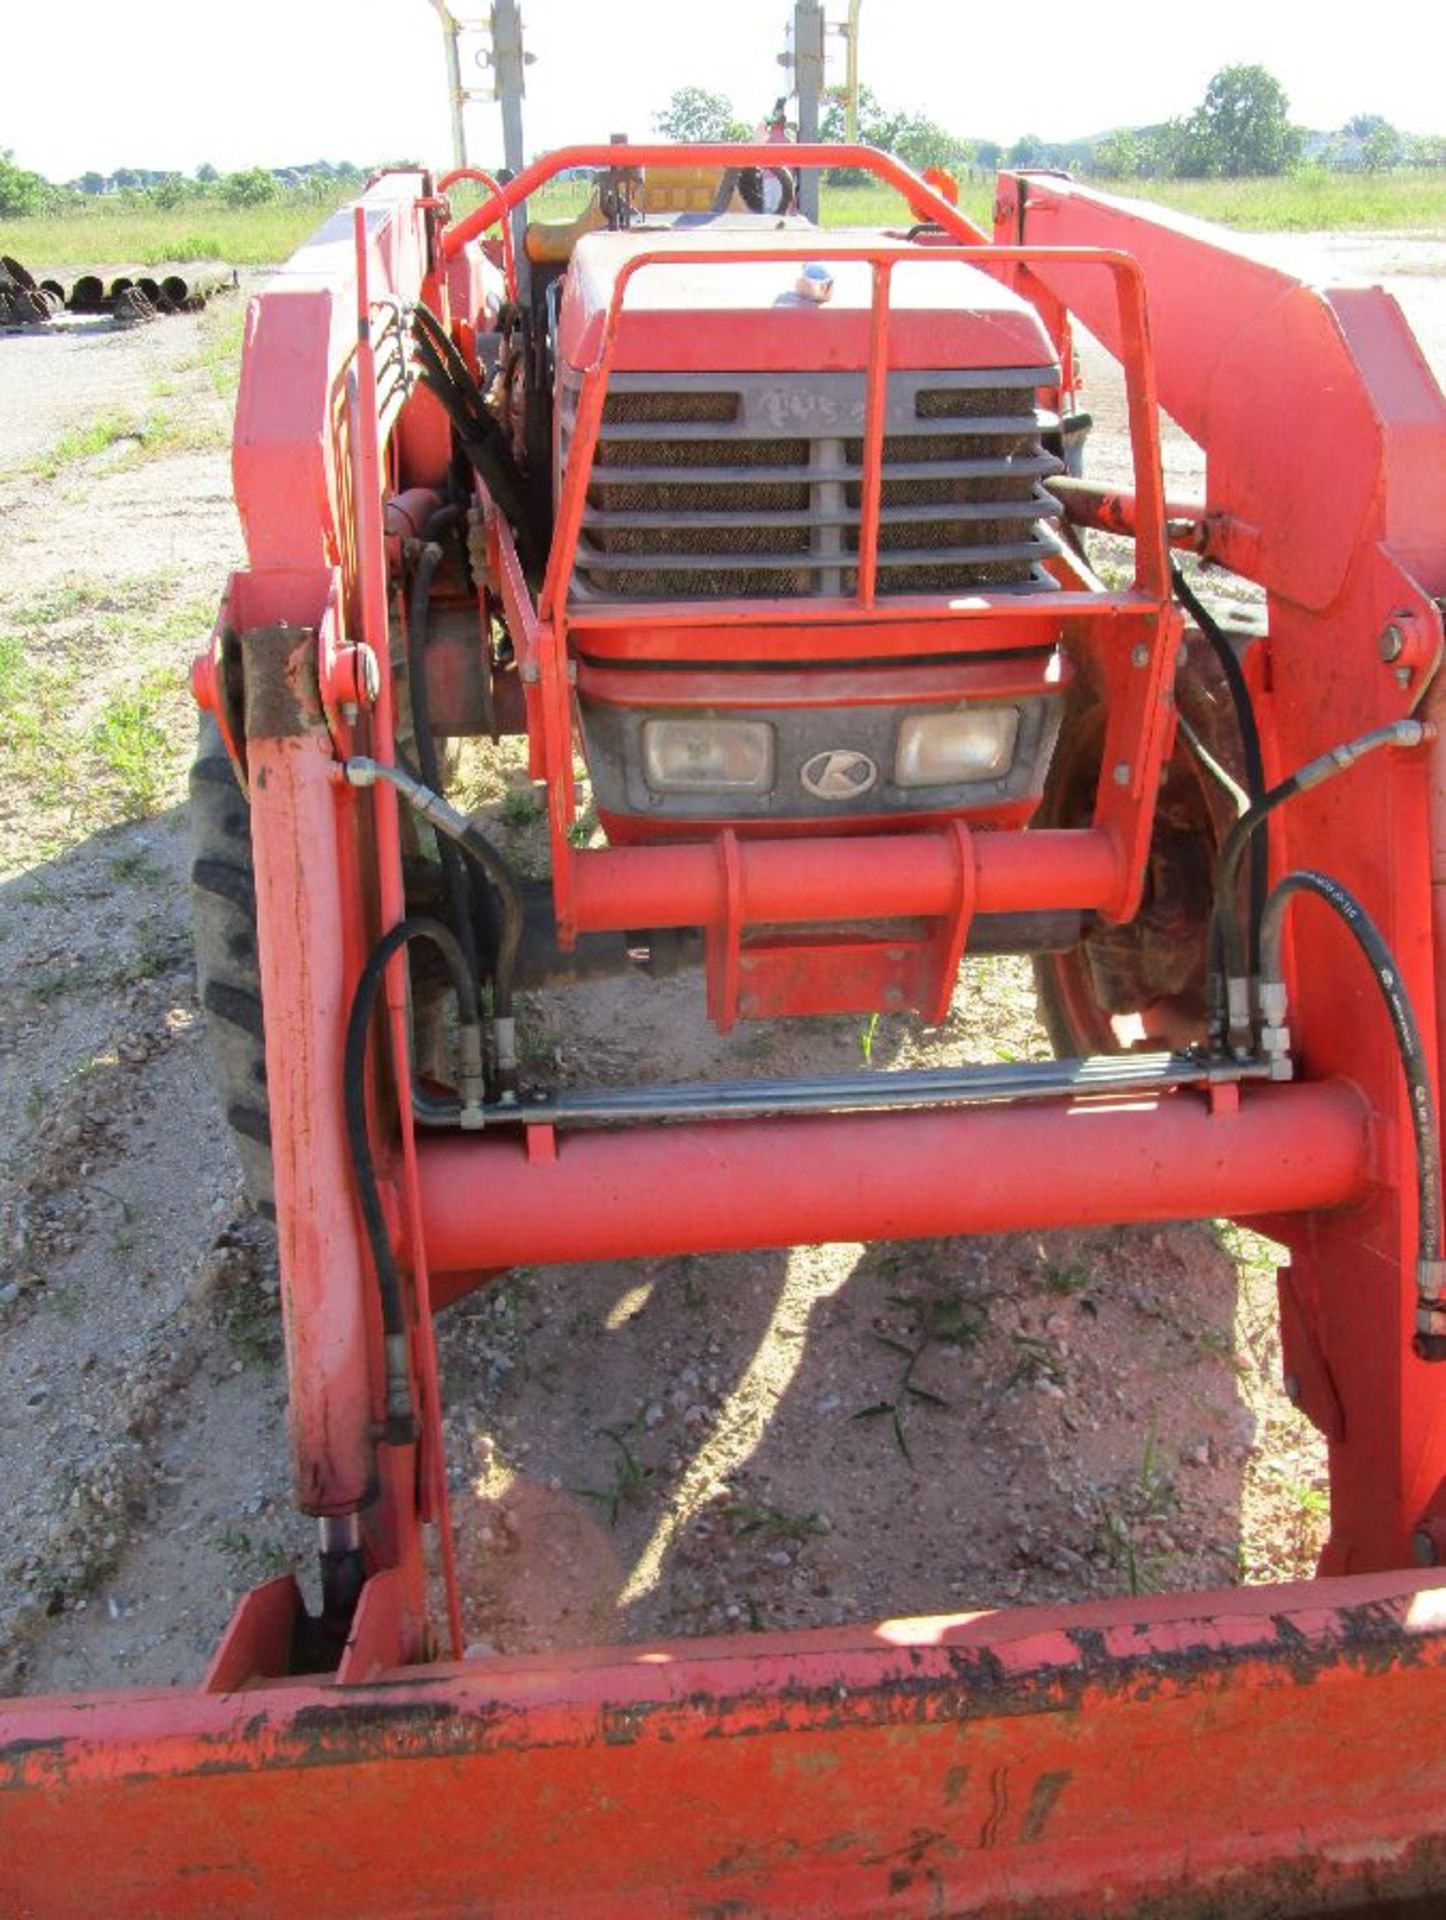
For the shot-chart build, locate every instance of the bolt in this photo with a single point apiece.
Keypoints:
(369, 675)
(1391, 644)
(1423, 1548)
(1403, 677)
(349, 711)
(1290, 1386)
(1140, 656)
(1122, 773)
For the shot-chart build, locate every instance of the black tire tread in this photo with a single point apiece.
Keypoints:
(228, 980)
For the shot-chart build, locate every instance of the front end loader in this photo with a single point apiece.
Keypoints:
(780, 534)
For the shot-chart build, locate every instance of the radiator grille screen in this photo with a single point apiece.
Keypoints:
(749, 486)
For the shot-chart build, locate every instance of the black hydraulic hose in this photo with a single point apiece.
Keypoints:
(1240, 961)
(447, 376)
(444, 346)
(362, 772)
(455, 872)
(485, 445)
(445, 517)
(498, 870)
(1430, 1342)
(354, 1087)
(1250, 749)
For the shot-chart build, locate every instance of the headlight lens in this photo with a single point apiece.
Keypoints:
(950, 749)
(708, 756)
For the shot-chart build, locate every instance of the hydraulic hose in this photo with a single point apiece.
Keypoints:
(1430, 1340)
(1230, 953)
(445, 347)
(362, 772)
(447, 377)
(454, 869)
(354, 1089)
(1250, 748)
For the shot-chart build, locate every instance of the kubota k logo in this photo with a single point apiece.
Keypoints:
(839, 774)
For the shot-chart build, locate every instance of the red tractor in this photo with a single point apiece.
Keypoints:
(780, 529)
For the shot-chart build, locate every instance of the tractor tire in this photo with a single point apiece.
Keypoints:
(1143, 984)
(228, 978)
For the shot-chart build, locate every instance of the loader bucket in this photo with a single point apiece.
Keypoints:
(1266, 1752)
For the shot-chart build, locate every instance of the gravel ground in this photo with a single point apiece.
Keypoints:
(672, 1446)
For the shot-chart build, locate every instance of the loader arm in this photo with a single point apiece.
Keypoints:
(1323, 429)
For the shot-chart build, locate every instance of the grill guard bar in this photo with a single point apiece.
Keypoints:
(582, 474)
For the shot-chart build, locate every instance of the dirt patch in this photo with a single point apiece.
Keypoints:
(740, 1441)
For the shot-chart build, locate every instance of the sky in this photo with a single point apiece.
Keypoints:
(160, 83)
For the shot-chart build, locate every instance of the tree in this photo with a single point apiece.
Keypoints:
(988, 155)
(1119, 155)
(1027, 151)
(875, 129)
(172, 190)
(1241, 127)
(694, 113)
(21, 193)
(253, 188)
(921, 142)
(1380, 149)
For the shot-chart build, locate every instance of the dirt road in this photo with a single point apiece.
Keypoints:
(676, 1446)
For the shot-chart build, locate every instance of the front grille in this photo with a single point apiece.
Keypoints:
(737, 486)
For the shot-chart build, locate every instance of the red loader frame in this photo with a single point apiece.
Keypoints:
(1256, 1752)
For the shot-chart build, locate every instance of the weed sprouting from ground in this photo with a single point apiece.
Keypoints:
(630, 1476)
(84, 443)
(768, 1522)
(86, 755)
(929, 1322)
(131, 743)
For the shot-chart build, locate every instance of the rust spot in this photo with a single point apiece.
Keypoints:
(18, 1758)
(374, 1730)
(1042, 1802)
(955, 1781)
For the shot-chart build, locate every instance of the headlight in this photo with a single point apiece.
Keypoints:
(708, 756)
(951, 749)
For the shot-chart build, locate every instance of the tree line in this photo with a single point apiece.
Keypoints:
(1242, 127)
(23, 193)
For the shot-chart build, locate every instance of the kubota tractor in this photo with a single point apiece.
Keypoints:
(780, 529)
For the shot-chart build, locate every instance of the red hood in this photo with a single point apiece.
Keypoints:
(744, 316)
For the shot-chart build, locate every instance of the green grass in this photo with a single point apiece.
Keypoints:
(106, 234)
(223, 325)
(84, 443)
(124, 233)
(113, 234)
(94, 762)
(1309, 202)
(130, 742)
